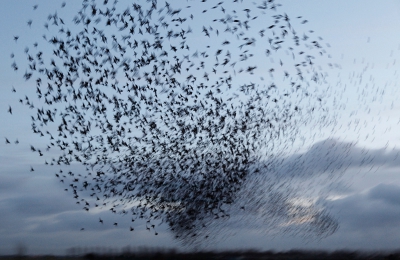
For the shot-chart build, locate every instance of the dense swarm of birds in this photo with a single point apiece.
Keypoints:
(176, 110)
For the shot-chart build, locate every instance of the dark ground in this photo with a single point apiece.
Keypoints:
(242, 255)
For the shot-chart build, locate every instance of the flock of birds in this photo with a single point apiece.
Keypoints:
(176, 112)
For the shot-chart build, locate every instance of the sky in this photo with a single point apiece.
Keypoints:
(351, 157)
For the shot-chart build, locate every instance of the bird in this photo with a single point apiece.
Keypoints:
(158, 119)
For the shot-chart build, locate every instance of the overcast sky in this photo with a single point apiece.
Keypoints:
(352, 159)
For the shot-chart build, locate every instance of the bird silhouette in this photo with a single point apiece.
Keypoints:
(159, 118)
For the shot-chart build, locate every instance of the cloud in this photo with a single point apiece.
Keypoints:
(39, 205)
(377, 210)
(369, 220)
(386, 193)
(330, 155)
(35, 207)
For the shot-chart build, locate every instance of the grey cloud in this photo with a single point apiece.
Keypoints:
(316, 172)
(368, 221)
(8, 183)
(332, 157)
(50, 210)
(379, 208)
(387, 193)
(39, 205)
